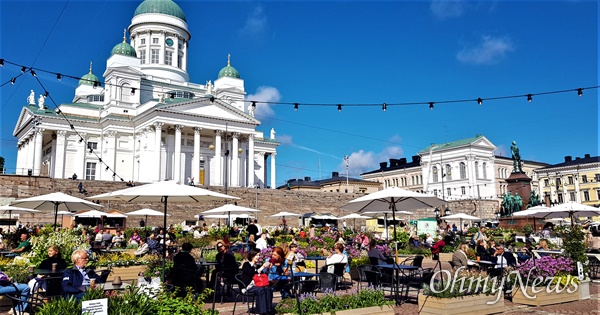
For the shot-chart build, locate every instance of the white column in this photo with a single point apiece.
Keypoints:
(20, 154)
(80, 159)
(37, 160)
(148, 50)
(177, 163)
(110, 143)
(59, 154)
(161, 54)
(218, 158)
(184, 57)
(250, 180)
(235, 176)
(273, 180)
(157, 141)
(30, 153)
(196, 159)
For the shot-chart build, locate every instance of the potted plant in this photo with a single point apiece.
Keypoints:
(465, 292)
(574, 248)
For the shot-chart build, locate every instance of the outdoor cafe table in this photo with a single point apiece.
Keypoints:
(49, 272)
(397, 268)
(305, 275)
(109, 286)
(316, 259)
(206, 265)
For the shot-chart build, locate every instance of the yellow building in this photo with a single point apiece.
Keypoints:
(575, 180)
(336, 183)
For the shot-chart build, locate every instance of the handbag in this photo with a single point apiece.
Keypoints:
(260, 280)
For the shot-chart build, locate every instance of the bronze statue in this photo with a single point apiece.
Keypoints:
(517, 165)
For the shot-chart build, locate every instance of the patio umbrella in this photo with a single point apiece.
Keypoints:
(146, 212)
(531, 212)
(10, 209)
(56, 201)
(354, 216)
(393, 198)
(385, 214)
(325, 217)
(285, 214)
(228, 209)
(163, 192)
(461, 217)
(570, 209)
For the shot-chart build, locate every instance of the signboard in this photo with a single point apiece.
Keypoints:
(95, 307)
(427, 225)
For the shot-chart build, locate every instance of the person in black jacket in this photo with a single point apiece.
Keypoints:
(225, 263)
(77, 279)
(264, 295)
(54, 257)
(185, 272)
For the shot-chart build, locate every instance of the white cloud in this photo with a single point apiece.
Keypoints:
(256, 24)
(363, 161)
(285, 140)
(288, 140)
(264, 94)
(489, 50)
(444, 9)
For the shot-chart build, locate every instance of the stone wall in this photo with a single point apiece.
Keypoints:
(269, 201)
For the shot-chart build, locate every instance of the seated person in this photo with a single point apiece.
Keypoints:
(436, 249)
(6, 286)
(429, 240)
(98, 237)
(295, 259)
(24, 245)
(543, 245)
(153, 245)
(225, 263)
(414, 241)
(54, 257)
(277, 269)
(336, 257)
(482, 250)
(118, 240)
(264, 295)
(459, 258)
(185, 272)
(106, 238)
(500, 261)
(375, 253)
(135, 238)
(491, 247)
(77, 279)
(525, 253)
(142, 249)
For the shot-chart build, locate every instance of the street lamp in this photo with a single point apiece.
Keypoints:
(447, 212)
(436, 212)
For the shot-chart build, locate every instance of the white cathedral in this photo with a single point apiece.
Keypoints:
(149, 123)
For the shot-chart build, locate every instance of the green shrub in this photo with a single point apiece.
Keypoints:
(331, 302)
(66, 239)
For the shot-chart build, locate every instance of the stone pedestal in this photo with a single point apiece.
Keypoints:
(520, 183)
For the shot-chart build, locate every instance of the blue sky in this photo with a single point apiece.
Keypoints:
(350, 52)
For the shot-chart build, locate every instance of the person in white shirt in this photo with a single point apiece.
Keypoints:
(336, 257)
(258, 227)
(261, 243)
(197, 233)
(429, 240)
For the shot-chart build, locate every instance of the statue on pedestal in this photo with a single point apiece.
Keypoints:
(31, 98)
(534, 199)
(516, 156)
(41, 101)
(518, 203)
(272, 133)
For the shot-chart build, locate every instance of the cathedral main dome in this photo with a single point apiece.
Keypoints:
(167, 7)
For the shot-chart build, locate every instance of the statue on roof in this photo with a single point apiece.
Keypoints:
(161, 98)
(272, 133)
(31, 98)
(41, 101)
(516, 156)
(209, 87)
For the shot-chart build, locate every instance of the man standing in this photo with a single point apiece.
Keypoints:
(252, 229)
(261, 243)
(258, 227)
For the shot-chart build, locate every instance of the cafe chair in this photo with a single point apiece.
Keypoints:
(339, 270)
(104, 275)
(380, 280)
(33, 303)
(239, 290)
(327, 282)
(48, 288)
(594, 267)
(361, 275)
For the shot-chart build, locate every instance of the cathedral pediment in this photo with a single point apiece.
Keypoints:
(205, 108)
(23, 120)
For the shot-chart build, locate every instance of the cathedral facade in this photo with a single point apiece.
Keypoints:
(147, 122)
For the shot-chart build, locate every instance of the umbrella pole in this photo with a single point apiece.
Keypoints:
(164, 258)
(55, 215)
(387, 235)
(396, 281)
(9, 217)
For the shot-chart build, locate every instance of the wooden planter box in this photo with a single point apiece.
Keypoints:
(126, 273)
(545, 298)
(468, 305)
(373, 310)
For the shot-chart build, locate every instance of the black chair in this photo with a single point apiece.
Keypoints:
(33, 303)
(338, 270)
(237, 289)
(327, 281)
(594, 267)
(361, 275)
(380, 280)
(374, 261)
(104, 275)
(48, 288)
(182, 278)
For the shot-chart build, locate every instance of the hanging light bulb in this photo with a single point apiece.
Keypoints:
(384, 107)
(23, 69)
(12, 81)
(529, 98)
(46, 94)
(33, 73)
(106, 169)
(431, 105)
(339, 107)
(295, 106)
(253, 105)
(132, 91)
(58, 77)
(579, 91)
(479, 101)
(1, 62)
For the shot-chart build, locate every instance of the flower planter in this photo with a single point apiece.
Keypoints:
(126, 273)
(373, 310)
(467, 305)
(584, 289)
(543, 297)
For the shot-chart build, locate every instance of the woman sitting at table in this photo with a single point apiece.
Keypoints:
(543, 245)
(295, 259)
(336, 258)
(482, 250)
(277, 269)
(54, 257)
(77, 279)
(135, 238)
(264, 295)
(459, 258)
(375, 253)
(251, 242)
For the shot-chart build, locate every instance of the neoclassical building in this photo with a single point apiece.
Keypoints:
(147, 122)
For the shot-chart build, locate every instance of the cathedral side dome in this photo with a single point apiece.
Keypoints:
(229, 71)
(123, 49)
(167, 7)
(89, 78)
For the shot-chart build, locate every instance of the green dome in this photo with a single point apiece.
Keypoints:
(123, 49)
(167, 7)
(89, 79)
(229, 71)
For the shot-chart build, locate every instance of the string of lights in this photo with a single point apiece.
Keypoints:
(339, 106)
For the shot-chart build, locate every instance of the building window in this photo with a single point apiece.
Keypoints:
(90, 171)
(476, 169)
(586, 195)
(570, 179)
(435, 192)
(143, 41)
(463, 171)
(584, 178)
(463, 190)
(168, 57)
(597, 177)
(484, 166)
(558, 182)
(449, 171)
(142, 54)
(180, 61)
(435, 174)
(598, 194)
(92, 145)
(154, 57)
(449, 191)
(95, 98)
(560, 198)
(155, 40)
(572, 196)
(546, 182)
